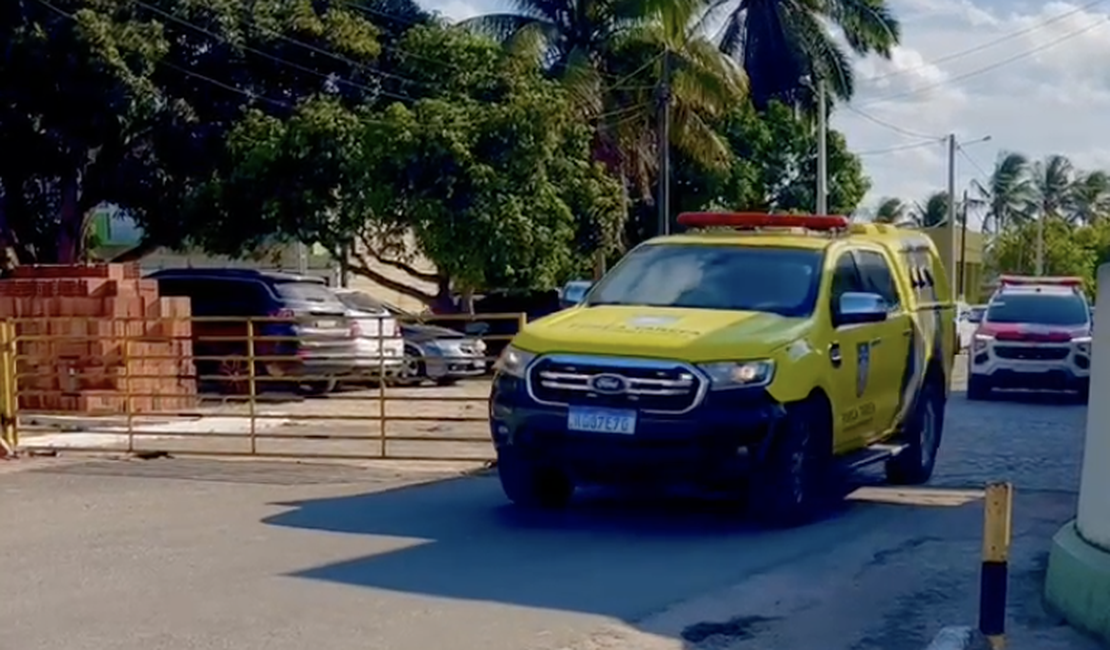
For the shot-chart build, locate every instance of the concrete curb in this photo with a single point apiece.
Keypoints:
(959, 638)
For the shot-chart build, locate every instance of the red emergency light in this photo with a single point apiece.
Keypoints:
(752, 220)
(1030, 280)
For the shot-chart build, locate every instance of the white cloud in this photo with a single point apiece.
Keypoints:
(1042, 88)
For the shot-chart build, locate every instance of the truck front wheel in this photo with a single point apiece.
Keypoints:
(790, 483)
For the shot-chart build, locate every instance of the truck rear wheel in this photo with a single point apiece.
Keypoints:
(915, 464)
(789, 485)
(978, 388)
(531, 485)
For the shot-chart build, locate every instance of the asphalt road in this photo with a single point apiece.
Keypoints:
(186, 554)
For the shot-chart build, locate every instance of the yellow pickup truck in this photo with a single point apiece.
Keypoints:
(758, 351)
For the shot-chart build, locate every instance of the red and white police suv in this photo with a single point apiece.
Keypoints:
(1035, 334)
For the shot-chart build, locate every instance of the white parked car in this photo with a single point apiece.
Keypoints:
(968, 322)
(427, 351)
(379, 345)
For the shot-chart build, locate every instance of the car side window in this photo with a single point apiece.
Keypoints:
(845, 279)
(877, 276)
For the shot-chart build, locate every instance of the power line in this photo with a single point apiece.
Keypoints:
(974, 163)
(288, 105)
(904, 147)
(988, 44)
(275, 59)
(989, 68)
(891, 126)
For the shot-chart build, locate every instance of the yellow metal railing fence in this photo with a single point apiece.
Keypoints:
(316, 387)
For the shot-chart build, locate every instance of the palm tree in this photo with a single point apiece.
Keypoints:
(782, 44)
(1008, 192)
(891, 210)
(933, 213)
(610, 55)
(1089, 197)
(1052, 184)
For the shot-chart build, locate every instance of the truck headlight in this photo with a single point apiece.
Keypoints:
(979, 342)
(1083, 344)
(739, 374)
(513, 362)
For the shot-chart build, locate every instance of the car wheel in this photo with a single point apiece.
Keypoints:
(978, 389)
(447, 381)
(915, 464)
(531, 485)
(412, 371)
(322, 387)
(790, 483)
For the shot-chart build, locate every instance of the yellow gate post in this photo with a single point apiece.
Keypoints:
(9, 399)
(993, 577)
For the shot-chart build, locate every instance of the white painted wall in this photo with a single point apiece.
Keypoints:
(1093, 521)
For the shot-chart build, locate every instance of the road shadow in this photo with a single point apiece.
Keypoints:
(611, 554)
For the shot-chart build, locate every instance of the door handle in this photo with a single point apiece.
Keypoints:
(907, 333)
(876, 342)
(834, 355)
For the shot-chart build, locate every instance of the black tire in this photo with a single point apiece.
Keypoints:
(317, 388)
(978, 389)
(413, 371)
(789, 487)
(531, 485)
(922, 436)
(447, 381)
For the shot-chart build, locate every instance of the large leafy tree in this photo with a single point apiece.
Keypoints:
(130, 103)
(611, 56)
(773, 167)
(492, 180)
(892, 210)
(1008, 192)
(784, 45)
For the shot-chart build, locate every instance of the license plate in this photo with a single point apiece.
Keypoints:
(598, 420)
(325, 324)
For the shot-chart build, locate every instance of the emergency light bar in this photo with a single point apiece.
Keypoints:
(1029, 280)
(752, 220)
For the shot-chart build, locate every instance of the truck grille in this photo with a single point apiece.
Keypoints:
(1031, 353)
(663, 386)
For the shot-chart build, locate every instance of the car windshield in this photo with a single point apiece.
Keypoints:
(777, 280)
(361, 302)
(306, 292)
(1038, 309)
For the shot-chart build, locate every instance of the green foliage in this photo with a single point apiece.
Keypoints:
(493, 179)
(130, 103)
(774, 167)
(1069, 249)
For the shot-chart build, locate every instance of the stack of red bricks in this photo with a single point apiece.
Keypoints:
(85, 333)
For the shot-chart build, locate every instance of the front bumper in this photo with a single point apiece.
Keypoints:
(714, 442)
(1010, 366)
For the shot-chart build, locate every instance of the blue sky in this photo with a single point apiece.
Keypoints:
(1038, 81)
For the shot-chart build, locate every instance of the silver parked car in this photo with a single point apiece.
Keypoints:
(432, 353)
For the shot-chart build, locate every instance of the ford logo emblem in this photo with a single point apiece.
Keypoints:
(610, 384)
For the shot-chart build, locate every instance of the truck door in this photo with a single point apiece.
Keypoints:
(890, 344)
(852, 382)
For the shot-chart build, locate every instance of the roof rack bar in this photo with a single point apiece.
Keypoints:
(754, 220)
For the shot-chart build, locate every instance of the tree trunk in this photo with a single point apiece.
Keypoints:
(71, 222)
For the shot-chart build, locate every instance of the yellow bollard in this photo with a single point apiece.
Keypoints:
(9, 398)
(994, 574)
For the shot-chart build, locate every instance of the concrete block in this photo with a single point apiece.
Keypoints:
(1077, 585)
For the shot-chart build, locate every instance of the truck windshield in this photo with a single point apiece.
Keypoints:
(1038, 309)
(782, 281)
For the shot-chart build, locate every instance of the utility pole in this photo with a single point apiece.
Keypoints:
(951, 225)
(963, 252)
(1040, 241)
(665, 146)
(822, 150)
